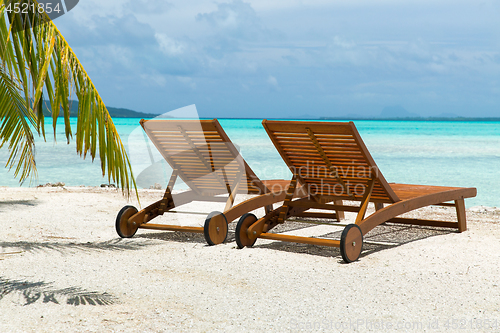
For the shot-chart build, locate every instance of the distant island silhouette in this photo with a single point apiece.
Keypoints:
(415, 118)
(389, 113)
(397, 112)
(114, 112)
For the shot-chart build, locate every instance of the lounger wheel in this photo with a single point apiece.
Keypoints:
(123, 227)
(351, 243)
(215, 229)
(241, 235)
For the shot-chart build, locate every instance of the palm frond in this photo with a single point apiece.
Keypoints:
(34, 52)
(15, 128)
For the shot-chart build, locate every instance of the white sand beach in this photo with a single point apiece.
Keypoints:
(64, 269)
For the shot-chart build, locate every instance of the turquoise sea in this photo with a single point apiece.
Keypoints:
(448, 153)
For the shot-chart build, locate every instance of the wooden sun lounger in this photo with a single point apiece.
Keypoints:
(331, 163)
(202, 155)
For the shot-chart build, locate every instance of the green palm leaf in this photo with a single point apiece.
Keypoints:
(38, 63)
(15, 127)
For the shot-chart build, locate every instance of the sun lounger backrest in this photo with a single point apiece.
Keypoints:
(329, 158)
(203, 155)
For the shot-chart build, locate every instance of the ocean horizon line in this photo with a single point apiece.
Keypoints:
(416, 119)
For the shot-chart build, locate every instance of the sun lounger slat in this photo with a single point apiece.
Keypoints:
(326, 147)
(328, 154)
(327, 150)
(332, 136)
(339, 128)
(223, 160)
(340, 160)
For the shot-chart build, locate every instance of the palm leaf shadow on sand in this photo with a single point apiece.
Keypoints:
(182, 237)
(10, 204)
(32, 292)
(111, 245)
(18, 202)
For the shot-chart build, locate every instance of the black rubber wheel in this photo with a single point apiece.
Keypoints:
(123, 227)
(241, 235)
(351, 243)
(215, 228)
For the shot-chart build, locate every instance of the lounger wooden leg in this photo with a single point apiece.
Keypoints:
(339, 213)
(289, 196)
(460, 207)
(365, 201)
(232, 194)
(379, 206)
(158, 207)
(167, 196)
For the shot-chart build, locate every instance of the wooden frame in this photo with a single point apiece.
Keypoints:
(333, 147)
(202, 155)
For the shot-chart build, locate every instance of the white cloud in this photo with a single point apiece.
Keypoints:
(187, 81)
(168, 45)
(154, 78)
(343, 43)
(235, 19)
(273, 83)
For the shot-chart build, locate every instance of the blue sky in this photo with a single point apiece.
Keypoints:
(287, 58)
